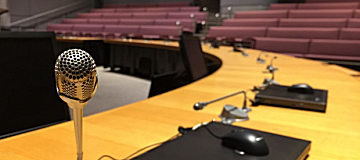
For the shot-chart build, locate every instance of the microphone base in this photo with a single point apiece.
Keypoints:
(232, 114)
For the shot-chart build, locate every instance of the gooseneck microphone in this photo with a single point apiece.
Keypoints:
(76, 83)
(242, 51)
(259, 59)
(270, 67)
(201, 105)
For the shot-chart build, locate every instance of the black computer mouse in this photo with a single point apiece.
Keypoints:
(301, 88)
(246, 142)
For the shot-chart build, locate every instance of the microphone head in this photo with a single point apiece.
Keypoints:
(200, 105)
(76, 77)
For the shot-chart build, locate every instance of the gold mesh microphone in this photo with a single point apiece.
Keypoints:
(76, 83)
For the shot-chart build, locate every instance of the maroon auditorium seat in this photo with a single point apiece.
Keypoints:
(159, 32)
(350, 33)
(88, 30)
(313, 22)
(189, 9)
(117, 15)
(89, 15)
(353, 23)
(327, 1)
(261, 14)
(357, 13)
(279, 6)
(130, 9)
(334, 49)
(136, 21)
(186, 24)
(288, 46)
(141, 5)
(173, 4)
(307, 33)
(60, 29)
(114, 5)
(103, 10)
(151, 15)
(163, 9)
(75, 21)
(343, 5)
(117, 31)
(323, 13)
(104, 21)
(231, 33)
(199, 16)
(260, 22)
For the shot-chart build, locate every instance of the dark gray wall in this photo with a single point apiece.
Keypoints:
(140, 1)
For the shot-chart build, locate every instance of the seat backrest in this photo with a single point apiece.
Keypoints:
(159, 30)
(136, 21)
(189, 9)
(356, 13)
(262, 14)
(259, 22)
(75, 21)
(89, 15)
(313, 22)
(152, 15)
(130, 9)
(279, 6)
(163, 9)
(350, 33)
(236, 32)
(54, 27)
(28, 93)
(103, 21)
(88, 27)
(103, 10)
(324, 13)
(117, 15)
(343, 5)
(353, 23)
(282, 45)
(307, 33)
(123, 29)
(335, 47)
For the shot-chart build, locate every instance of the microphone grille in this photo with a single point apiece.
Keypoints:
(75, 72)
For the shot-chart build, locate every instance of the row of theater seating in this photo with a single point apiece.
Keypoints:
(325, 49)
(136, 5)
(198, 16)
(295, 22)
(238, 33)
(116, 31)
(158, 9)
(345, 5)
(304, 13)
(186, 24)
(330, 1)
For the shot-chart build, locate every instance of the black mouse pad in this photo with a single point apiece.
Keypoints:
(201, 145)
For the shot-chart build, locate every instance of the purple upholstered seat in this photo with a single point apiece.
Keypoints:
(279, 6)
(343, 5)
(350, 33)
(117, 31)
(60, 29)
(163, 9)
(230, 33)
(89, 15)
(323, 13)
(186, 24)
(75, 21)
(334, 50)
(136, 21)
(88, 30)
(356, 13)
(288, 46)
(103, 10)
(353, 23)
(130, 9)
(103, 21)
(117, 15)
(307, 33)
(159, 32)
(260, 22)
(151, 15)
(313, 22)
(261, 14)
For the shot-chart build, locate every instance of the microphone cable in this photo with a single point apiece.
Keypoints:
(136, 152)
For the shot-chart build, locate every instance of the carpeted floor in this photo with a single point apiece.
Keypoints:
(115, 90)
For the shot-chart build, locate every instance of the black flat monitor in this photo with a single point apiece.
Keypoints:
(193, 57)
(27, 86)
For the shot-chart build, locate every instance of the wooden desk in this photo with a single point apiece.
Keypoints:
(121, 131)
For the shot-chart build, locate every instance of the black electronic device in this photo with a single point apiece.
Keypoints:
(246, 142)
(27, 88)
(201, 144)
(278, 95)
(193, 56)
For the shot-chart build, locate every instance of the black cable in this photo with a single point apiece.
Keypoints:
(214, 135)
(127, 158)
